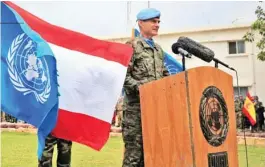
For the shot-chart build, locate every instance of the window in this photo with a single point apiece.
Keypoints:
(236, 47)
(243, 91)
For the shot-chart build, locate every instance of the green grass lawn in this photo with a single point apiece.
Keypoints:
(19, 150)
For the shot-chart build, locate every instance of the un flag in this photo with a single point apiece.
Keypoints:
(29, 88)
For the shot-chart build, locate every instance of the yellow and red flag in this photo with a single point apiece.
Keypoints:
(249, 109)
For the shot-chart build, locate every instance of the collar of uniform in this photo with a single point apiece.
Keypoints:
(150, 42)
(147, 43)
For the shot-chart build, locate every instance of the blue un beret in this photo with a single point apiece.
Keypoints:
(148, 13)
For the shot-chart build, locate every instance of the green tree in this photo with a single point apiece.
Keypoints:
(258, 26)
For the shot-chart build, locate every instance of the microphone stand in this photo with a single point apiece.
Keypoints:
(216, 64)
(183, 62)
(184, 54)
(218, 61)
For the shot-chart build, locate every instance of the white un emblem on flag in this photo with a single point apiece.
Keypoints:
(28, 73)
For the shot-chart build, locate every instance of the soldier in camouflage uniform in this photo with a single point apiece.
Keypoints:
(64, 152)
(147, 64)
(10, 118)
(237, 110)
(239, 103)
(259, 113)
(118, 117)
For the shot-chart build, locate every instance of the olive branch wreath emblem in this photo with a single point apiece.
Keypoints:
(14, 77)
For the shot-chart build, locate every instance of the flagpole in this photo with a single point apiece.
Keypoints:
(128, 11)
(129, 18)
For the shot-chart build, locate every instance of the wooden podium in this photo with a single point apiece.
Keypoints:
(188, 120)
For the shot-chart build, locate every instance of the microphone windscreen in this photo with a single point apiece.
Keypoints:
(196, 49)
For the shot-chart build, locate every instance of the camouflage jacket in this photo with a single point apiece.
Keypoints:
(147, 64)
(239, 105)
(258, 105)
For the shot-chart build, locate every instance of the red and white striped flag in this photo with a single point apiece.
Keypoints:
(91, 76)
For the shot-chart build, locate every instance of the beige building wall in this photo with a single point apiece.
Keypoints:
(251, 72)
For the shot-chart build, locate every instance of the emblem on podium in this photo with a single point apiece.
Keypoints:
(213, 116)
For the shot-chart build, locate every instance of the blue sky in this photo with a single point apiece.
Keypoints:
(108, 19)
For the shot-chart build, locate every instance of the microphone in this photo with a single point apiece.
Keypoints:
(187, 46)
(194, 48)
(181, 51)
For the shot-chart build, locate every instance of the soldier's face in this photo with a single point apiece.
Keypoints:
(150, 27)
